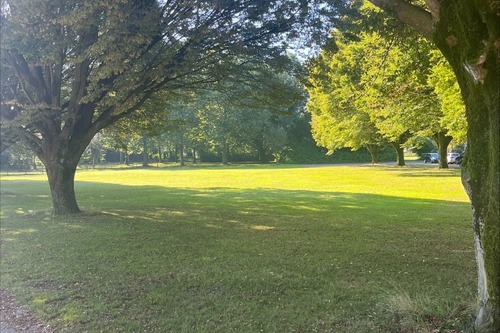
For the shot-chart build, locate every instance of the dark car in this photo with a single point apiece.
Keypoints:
(431, 158)
(459, 158)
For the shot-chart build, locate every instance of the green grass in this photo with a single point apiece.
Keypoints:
(244, 249)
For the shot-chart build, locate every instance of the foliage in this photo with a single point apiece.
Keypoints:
(336, 122)
(423, 146)
(446, 87)
(73, 68)
(106, 58)
(375, 85)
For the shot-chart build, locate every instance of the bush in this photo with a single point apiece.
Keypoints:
(424, 146)
(305, 154)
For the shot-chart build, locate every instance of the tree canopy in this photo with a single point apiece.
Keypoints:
(72, 68)
(376, 86)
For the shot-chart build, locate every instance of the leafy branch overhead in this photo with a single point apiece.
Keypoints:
(72, 68)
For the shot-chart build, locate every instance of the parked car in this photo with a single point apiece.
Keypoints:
(459, 158)
(431, 158)
(452, 158)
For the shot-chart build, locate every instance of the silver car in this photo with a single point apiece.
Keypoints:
(452, 157)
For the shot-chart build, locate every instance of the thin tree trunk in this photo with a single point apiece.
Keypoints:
(373, 150)
(225, 159)
(145, 152)
(126, 157)
(261, 152)
(225, 154)
(181, 156)
(160, 153)
(173, 154)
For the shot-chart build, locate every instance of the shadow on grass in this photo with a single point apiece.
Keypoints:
(176, 259)
(221, 204)
(422, 171)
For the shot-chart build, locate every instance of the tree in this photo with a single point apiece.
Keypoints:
(267, 106)
(121, 137)
(371, 87)
(71, 68)
(447, 90)
(348, 128)
(184, 130)
(468, 34)
(336, 122)
(248, 113)
(395, 92)
(220, 123)
(390, 90)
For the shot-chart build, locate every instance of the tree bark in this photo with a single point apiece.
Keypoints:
(126, 159)
(61, 178)
(263, 156)
(145, 152)
(160, 152)
(414, 16)
(373, 150)
(181, 156)
(400, 153)
(481, 178)
(468, 34)
(225, 153)
(443, 141)
(60, 163)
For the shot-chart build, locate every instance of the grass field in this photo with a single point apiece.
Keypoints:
(244, 249)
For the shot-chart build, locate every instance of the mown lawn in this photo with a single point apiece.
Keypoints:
(244, 249)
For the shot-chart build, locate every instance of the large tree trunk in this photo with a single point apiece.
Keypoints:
(481, 179)
(443, 141)
(60, 166)
(62, 187)
(468, 34)
(400, 153)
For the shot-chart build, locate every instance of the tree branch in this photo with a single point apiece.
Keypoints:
(414, 16)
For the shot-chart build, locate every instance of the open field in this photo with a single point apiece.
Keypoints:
(244, 249)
